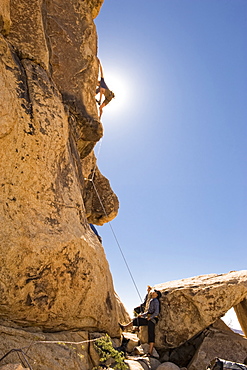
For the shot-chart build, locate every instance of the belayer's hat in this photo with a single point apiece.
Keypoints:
(158, 292)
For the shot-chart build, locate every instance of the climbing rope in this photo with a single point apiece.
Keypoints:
(95, 165)
(116, 239)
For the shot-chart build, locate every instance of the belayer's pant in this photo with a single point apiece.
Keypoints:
(141, 321)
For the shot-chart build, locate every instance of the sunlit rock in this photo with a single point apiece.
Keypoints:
(190, 305)
(222, 344)
(54, 272)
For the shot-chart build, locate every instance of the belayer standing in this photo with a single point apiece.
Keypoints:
(103, 89)
(148, 318)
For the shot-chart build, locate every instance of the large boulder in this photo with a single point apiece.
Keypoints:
(42, 351)
(61, 37)
(222, 344)
(52, 265)
(190, 305)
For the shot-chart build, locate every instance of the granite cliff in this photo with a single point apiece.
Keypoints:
(52, 265)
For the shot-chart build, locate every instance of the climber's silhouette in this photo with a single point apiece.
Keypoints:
(96, 232)
(103, 89)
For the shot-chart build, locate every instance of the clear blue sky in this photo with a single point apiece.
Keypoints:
(174, 146)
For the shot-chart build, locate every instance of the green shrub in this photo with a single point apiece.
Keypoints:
(106, 351)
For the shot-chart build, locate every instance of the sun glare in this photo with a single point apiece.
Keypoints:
(231, 320)
(120, 88)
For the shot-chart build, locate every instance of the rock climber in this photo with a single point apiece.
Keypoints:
(148, 318)
(96, 232)
(103, 89)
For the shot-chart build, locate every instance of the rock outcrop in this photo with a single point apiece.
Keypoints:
(188, 306)
(101, 204)
(222, 344)
(47, 350)
(52, 265)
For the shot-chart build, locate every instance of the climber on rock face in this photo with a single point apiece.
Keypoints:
(103, 90)
(148, 318)
(96, 232)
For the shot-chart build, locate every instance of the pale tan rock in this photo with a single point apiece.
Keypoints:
(101, 203)
(47, 350)
(51, 266)
(135, 365)
(73, 33)
(226, 345)
(94, 355)
(143, 334)
(123, 316)
(27, 32)
(140, 363)
(13, 367)
(5, 21)
(168, 366)
(138, 351)
(61, 37)
(8, 103)
(133, 341)
(95, 6)
(190, 305)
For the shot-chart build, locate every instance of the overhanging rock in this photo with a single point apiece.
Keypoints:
(190, 305)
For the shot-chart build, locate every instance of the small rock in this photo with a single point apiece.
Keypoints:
(135, 365)
(168, 366)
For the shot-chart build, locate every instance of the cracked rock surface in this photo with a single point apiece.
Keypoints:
(52, 265)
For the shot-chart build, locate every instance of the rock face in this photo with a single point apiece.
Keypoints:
(101, 204)
(225, 345)
(52, 265)
(5, 17)
(190, 305)
(54, 353)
